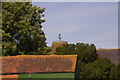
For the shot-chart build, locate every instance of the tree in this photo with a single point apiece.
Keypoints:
(22, 29)
(114, 72)
(99, 69)
(68, 49)
(86, 53)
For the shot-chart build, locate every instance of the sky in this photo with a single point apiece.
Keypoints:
(74, 0)
(81, 22)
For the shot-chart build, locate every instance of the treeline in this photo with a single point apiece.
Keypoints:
(90, 65)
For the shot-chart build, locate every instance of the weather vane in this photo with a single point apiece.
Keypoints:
(59, 37)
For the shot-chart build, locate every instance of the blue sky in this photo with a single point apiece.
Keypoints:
(87, 22)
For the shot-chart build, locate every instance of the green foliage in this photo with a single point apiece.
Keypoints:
(114, 73)
(99, 69)
(68, 49)
(118, 71)
(48, 50)
(21, 27)
(90, 65)
(86, 53)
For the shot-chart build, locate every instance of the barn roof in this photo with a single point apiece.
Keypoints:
(38, 63)
(112, 54)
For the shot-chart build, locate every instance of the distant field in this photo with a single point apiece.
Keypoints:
(62, 76)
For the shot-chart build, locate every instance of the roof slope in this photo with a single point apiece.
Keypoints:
(38, 63)
(112, 54)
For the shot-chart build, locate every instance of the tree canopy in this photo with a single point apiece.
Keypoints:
(100, 69)
(86, 52)
(89, 65)
(21, 29)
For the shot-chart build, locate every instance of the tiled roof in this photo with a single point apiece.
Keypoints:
(10, 76)
(38, 63)
(112, 54)
(9, 65)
